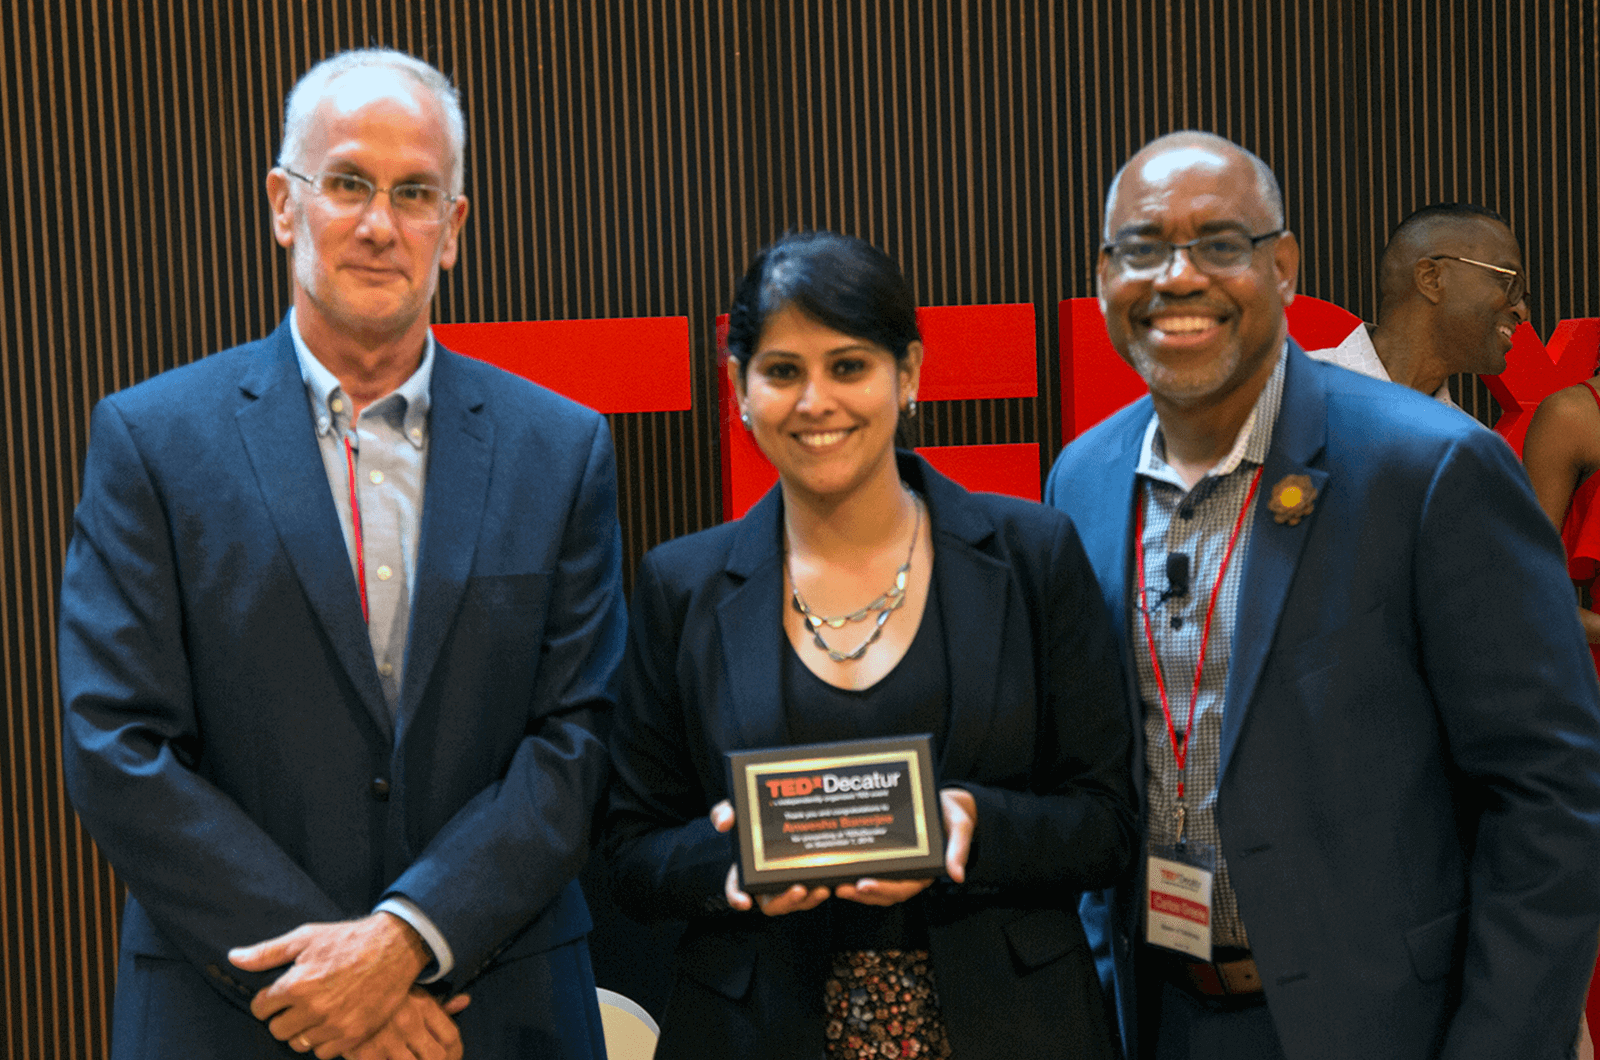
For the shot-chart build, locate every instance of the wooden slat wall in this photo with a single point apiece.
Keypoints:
(625, 158)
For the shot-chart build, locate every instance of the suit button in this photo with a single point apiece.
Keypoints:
(380, 789)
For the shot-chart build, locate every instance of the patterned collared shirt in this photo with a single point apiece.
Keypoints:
(1358, 354)
(1198, 523)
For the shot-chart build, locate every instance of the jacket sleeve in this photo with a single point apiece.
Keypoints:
(664, 858)
(1072, 824)
(515, 846)
(1516, 694)
(205, 873)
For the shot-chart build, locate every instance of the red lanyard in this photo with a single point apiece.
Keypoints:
(1180, 748)
(355, 519)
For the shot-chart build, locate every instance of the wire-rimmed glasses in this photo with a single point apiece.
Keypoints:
(349, 193)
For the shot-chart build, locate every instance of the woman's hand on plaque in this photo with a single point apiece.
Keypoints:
(870, 891)
(796, 899)
(960, 819)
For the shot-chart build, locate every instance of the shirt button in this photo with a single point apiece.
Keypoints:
(376, 477)
(386, 669)
(384, 573)
(380, 789)
(336, 405)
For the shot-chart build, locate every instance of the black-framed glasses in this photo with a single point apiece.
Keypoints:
(1221, 254)
(348, 193)
(1516, 283)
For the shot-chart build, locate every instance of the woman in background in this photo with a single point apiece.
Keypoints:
(1562, 452)
(971, 617)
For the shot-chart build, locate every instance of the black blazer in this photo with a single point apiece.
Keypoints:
(1038, 732)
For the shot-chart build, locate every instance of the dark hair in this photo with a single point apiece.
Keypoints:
(1445, 211)
(842, 282)
(1418, 237)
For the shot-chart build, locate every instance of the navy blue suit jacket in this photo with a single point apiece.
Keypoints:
(1409, 789)
(227, 743)
(1036, 733)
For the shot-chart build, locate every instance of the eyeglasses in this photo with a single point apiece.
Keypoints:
(350, 194)
(1516, 285)
(1220, 255)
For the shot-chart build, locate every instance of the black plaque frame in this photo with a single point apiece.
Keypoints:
(758, 810)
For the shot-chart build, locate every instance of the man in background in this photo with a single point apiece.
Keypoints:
(341, 612)
(1451, 293)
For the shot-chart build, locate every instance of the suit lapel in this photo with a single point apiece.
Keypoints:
(460, 450)
(963, 572)
(1275, 549)
(750, 626)
(1104, 521)
(1116, 531)
(1121, 495)
(274, 419)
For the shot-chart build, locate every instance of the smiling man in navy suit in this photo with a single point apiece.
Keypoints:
(341, 612)
(1370, 768)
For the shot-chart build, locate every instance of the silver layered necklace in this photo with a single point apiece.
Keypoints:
(885, 605)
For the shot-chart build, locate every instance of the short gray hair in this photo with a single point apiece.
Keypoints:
(311, 89)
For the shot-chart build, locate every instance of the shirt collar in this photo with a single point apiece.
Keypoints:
(412, 396)
(1363, 355)
(1250, 446)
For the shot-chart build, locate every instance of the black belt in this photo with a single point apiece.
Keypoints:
(1231, 974)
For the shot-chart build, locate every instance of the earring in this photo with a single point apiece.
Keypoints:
(911, 407)
(744, 418)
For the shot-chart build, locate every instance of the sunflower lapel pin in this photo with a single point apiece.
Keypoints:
(1291, 499)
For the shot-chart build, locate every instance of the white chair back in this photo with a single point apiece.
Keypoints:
(630, 1031)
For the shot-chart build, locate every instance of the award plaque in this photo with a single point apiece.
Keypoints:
(830, 813)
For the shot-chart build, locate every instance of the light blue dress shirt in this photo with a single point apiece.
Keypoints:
(389, 449)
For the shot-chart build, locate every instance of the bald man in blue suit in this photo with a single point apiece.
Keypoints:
(1392, 761)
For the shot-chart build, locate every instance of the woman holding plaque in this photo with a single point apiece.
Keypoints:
(867, 597)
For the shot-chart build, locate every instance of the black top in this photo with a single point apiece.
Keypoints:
(914, 697)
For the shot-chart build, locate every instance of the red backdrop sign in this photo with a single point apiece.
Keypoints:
(628, 364)
(1534, 371)
(641, 364)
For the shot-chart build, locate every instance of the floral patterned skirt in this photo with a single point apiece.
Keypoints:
(882, 1004)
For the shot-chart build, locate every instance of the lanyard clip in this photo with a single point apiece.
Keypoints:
(1178, 816)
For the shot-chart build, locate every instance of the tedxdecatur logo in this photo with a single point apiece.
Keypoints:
(794, 787)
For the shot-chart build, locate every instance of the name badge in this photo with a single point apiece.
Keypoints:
(1178, 898)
